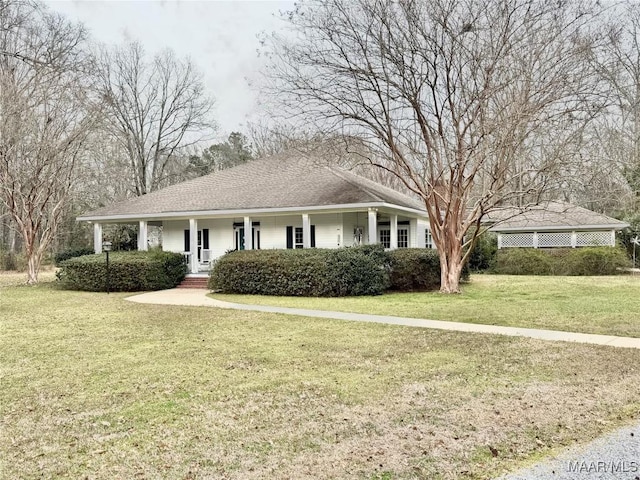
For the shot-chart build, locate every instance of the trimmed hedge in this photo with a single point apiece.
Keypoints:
(71, 253)
(416, 269)
(363, 270)
(297, 272)
(128, 271)
(565, 261)
(596, 261)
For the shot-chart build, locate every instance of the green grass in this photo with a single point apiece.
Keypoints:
(601, 305)
(12, 278)
(94, 386)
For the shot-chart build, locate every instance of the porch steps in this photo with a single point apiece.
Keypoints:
(194, 282)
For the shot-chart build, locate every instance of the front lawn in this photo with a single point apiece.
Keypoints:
(601, 305)
(97, 387)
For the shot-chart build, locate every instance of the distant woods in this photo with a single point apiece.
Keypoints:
(82, 125)
(236, 150)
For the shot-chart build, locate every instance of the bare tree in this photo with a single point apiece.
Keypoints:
(345, 151)
(617, 133)
(44, 120)
(153, 109)
(472, 103)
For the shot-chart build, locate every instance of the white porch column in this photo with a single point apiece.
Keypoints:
(414, 239)
(499, 241)
(535, 240)
(97, 237)
(142, 236)
(574, 239)
(393, 227)
(306, 231)
(613, 238)
(248, 234)
(193, 245)
(373, 225)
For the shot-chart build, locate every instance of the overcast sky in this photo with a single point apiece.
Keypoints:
(219, 36)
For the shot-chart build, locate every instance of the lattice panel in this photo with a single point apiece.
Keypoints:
(554, 239)
(590, 239)
(523, 240)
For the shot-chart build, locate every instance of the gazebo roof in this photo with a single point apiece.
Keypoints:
(551, 216)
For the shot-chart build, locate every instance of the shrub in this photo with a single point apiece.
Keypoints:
(524, 261)
(483, 255)
(360, 270)
(128, 271)
(595, 261)
(363, 270)
(414, 269)
(565, 261)
(297, 272)
(71, 253)
(417, 269)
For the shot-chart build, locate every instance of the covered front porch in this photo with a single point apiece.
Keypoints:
(204, 239)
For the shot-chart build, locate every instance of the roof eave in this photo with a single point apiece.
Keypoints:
(248, 212)
(544, 228)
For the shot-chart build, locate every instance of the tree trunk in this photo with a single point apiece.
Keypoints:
(12, 239)
(450, 263)
(33, 258)
(450, 277)
(33, 267)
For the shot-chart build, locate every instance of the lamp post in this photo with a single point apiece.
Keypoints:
(106, 246)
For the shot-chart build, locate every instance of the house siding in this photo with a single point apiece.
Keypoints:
(350, 221)
(173, 235)
(273, 232)
(421, 230)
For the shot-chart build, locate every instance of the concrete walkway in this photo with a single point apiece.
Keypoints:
(199, 298)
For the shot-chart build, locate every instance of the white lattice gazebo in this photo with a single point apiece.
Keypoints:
(553, 225)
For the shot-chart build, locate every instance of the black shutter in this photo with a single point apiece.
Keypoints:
(205, 238)
(187, 241)
(289, 237)
(313, 236)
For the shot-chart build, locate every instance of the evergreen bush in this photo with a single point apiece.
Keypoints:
(595, 261)
(562, 261)
(128, 271)
(483, 255)
(414, 269)
(303, 272)
(71, 253)
(363, 270)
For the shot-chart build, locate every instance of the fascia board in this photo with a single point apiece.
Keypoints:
(250, 212)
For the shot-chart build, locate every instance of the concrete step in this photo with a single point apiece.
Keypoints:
(194, 282)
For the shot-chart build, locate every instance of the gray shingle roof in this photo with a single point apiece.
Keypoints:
(550, 215)
(274, 182)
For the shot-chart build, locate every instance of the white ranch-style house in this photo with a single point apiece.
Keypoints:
(293, 203)
(284, 203)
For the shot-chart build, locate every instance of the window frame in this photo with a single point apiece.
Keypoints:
(404, 236)
(384, 237)
(298, 233)
(428, 239)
